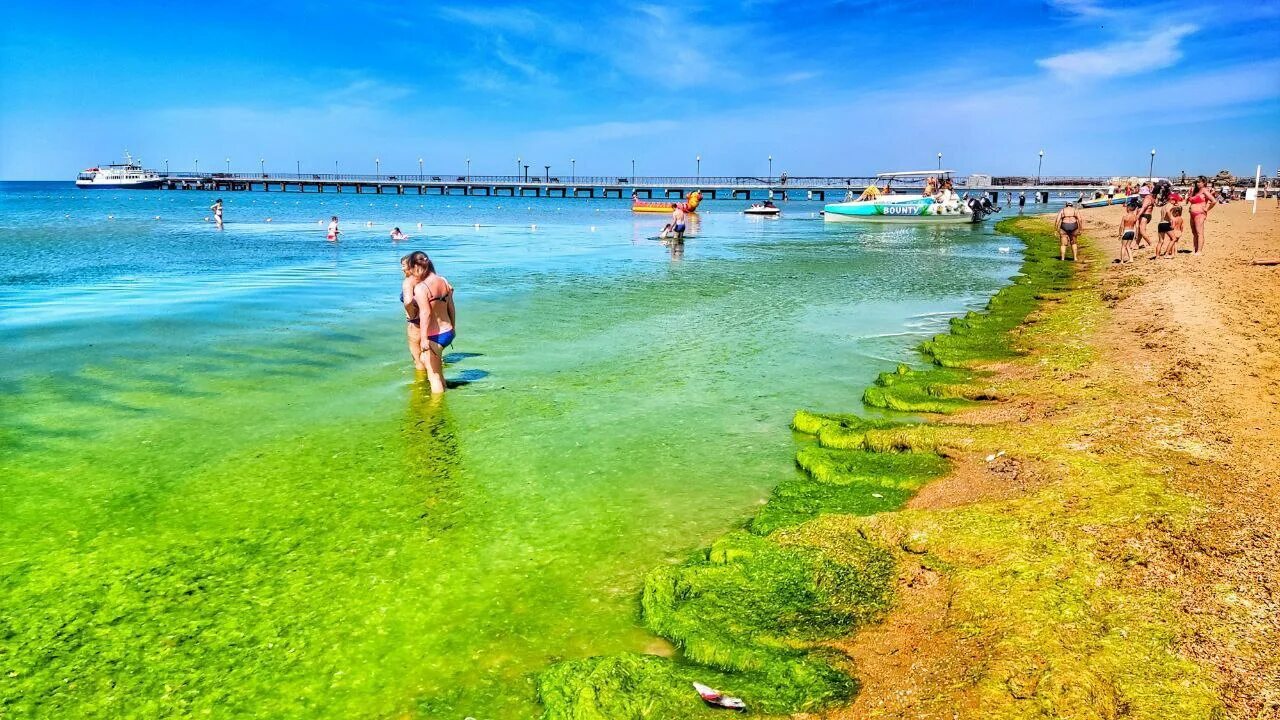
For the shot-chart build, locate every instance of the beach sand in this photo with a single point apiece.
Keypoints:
(1180, 385)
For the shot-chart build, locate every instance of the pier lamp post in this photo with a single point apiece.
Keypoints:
(698, 160)
(519, 161)
(298, 163)
(526, 173)
(197, 166)
(228, 165)
(335, 168)
(939, 162)
(377, 167)
(468, 169)
(1039, 167)
(166, 166)
(419, 168)
(547, 170)
(1151, 168)
(573, 170)
(262, 165)
(770, 169)
(633, 172)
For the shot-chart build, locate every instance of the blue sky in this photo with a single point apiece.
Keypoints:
(840, 87)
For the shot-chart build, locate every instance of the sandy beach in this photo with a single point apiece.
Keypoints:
(1137, 569)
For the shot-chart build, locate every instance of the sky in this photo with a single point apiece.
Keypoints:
(843, 87)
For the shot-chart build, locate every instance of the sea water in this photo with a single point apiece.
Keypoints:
(224, 490)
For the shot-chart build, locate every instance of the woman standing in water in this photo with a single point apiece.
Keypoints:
(216, 207)
(333, 232)
(1201, 202)
(410, 265)
(437, 316)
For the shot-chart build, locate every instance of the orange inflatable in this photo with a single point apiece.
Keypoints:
(660, 206)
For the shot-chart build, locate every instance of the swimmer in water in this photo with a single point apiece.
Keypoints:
(412, 266)
(438, 319)
(216, 207)
(333, 232)
(397, 235)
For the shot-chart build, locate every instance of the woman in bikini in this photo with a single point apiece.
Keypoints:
(216, 207)
(411, 265)
(1068, 224)
(1144, 218)
(1128, 232)
(1201, 202)
(438, 318)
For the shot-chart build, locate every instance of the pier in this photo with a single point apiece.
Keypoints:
(611, 186)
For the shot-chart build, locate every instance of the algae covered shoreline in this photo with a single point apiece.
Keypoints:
(756, 613)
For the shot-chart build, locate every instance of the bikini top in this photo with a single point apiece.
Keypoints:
(1196, 199)
(443, 296)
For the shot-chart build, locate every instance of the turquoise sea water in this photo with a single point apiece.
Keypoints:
(223, 490)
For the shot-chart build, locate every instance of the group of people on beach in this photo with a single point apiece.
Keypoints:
(1150, 201)
(1161, 200)
(430, 315)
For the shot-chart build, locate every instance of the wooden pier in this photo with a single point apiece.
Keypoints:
(645, 188)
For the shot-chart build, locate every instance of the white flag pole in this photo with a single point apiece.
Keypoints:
(1257, 182)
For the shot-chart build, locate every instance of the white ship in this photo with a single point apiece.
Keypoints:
(127, 175)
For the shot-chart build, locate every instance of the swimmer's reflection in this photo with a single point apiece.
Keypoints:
(431, 452)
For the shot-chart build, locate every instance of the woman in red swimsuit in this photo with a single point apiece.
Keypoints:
(1201, 202)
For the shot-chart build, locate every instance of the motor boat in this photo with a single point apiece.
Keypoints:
(766, 209)
(1107, 200)
(913, 206)
(127, 175)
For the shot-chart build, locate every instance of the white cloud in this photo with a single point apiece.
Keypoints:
(1079, 8)
(1159, 50)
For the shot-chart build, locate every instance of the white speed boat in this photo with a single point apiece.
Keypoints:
(886, 206)
(766, 209)
(128, 175)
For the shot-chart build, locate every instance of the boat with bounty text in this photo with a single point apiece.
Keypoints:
(941, 206)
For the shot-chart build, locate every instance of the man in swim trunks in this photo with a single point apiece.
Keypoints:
(1068, 224)
(677, 221)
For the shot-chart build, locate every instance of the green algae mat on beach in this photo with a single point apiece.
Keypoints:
(749, 614)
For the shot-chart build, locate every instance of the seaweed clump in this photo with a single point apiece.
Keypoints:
(749, 605)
